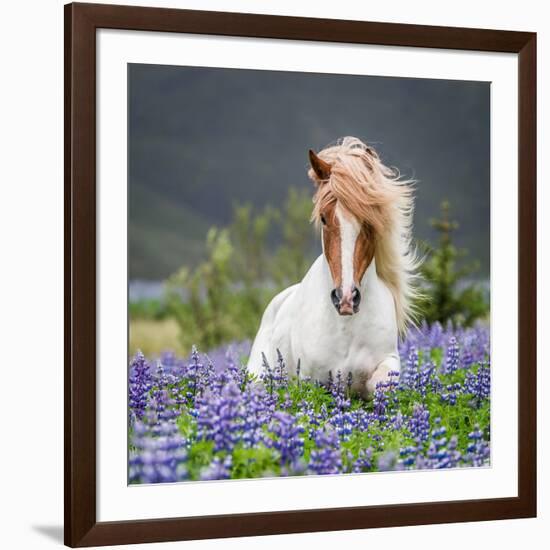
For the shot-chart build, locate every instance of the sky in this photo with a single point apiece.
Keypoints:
(202, 139)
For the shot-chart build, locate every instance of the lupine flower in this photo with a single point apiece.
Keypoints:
(295, 426)
(450, 394)
(419, 423)
(140, 383)
(478, 449)
(479, 384)
(158, 457)
(388, 462)
(287, 440)
(451, 357)
(218, 469)
(280, 374)
(267, 375)
(410, 371)
(326, 458)
(220, 417)
(363, 462)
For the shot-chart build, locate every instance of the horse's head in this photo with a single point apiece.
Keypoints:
(347, 217)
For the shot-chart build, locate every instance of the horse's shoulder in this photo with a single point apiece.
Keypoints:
(276, 303)
(280, 298)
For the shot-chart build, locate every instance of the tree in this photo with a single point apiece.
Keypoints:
(224, 297)
(200, 299)
(293, 257)
(448, 296)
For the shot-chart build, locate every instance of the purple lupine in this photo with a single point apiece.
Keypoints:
(220, 417)
(384, 396)
(343, 422)
(380, 403)
(409, 373)
(478, 451)
(287, 440)
(163, 405)
(397, 421)
(419, 423)
(450, 393)
(326, 458)
(159, 455)
(388, 462)
(259, 408)
(267, 375)
(437, 447)
(140, 383)
(363, 462)
(408, 456)
(479, 384)
(231, 353)
(337, 389)
(223, 406)
(452, 460)
(452, 355)
(280, 374)
(217, 469)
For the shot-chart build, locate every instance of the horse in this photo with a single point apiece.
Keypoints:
(357, 298)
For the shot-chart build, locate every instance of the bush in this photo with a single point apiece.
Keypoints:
(224, 297)
(448, 296)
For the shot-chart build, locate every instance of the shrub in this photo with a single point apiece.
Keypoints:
(448, 296)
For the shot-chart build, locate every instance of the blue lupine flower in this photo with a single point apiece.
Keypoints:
(419, 423)
(451, 357)
(158, 456)
(479, 384)
(218, 469)
(140, 383)
(220, 417)
(363, 463)
(288, 440)
(308, 428)
(478, 451)
(326, 458)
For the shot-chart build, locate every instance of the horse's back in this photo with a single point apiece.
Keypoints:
(263, 343)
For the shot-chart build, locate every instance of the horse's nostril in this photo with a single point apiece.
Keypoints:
(335, 297)
(356, 298)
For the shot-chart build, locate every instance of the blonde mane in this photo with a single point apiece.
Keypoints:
(378, 197)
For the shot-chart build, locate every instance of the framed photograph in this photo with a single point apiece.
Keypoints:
(300, 274)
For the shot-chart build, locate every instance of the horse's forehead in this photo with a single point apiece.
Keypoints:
(345, 217)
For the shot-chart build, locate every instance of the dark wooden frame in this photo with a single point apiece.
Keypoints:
(81, 23)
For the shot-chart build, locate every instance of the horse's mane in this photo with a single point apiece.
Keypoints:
(377, 196)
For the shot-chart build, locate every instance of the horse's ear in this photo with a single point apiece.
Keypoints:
(320, 167)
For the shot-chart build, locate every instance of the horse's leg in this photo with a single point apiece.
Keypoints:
(391, 363)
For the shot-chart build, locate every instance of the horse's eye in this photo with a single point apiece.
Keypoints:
(323, 220)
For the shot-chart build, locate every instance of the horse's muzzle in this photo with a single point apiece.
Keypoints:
(346, 304)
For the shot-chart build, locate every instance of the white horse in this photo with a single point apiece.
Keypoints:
(347, 312)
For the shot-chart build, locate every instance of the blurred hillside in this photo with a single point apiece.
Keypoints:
(203, 139)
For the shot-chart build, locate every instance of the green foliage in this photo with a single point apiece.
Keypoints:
(149, 308)
(258, 461)
(223, 298)
(446, 296)
(207, 312)
(249, 264)
(293, 257)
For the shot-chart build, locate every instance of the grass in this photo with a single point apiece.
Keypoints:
(155, 336)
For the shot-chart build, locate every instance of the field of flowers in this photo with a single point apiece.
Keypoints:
(205, 418)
